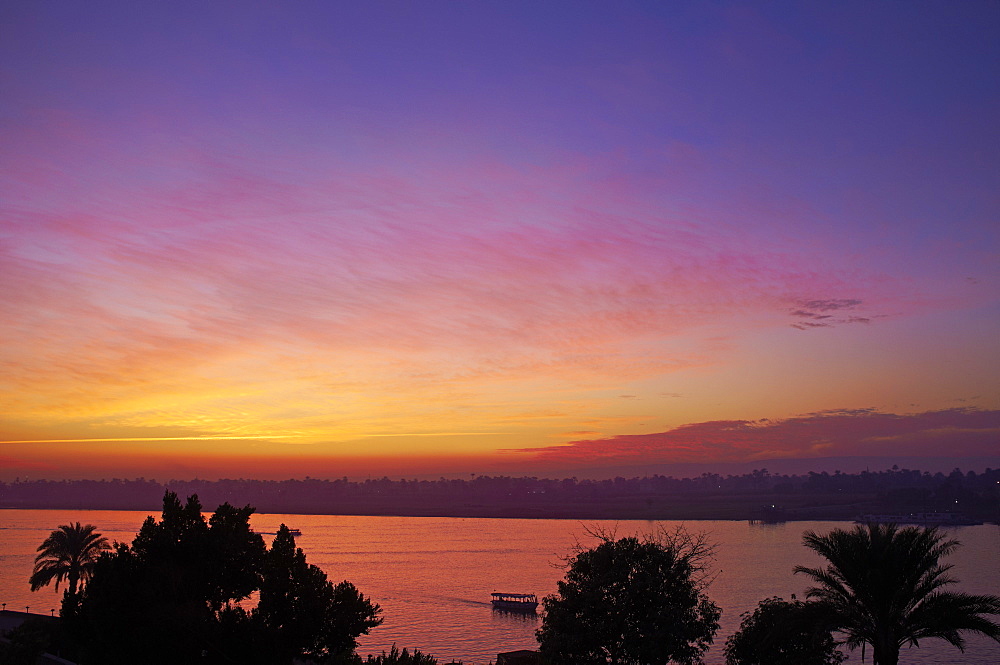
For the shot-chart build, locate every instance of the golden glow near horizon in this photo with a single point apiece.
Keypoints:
(650, 250)
(153, 438)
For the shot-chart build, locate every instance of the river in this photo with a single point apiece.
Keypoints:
(433, 575)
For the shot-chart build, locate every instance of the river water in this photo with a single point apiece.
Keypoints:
(433, 576)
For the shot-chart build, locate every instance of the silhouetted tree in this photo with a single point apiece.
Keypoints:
(305, 615)
(404, 657)
(172, 596)
(780, 632)
(69, 553)
(632, 601)
(885, 587)
(162, 595)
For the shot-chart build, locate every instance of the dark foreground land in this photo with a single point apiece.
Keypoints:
(756, 495)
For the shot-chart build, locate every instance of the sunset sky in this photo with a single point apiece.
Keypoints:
(258, 239)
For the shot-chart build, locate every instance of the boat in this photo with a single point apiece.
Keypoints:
(294, 532)
(515, 602)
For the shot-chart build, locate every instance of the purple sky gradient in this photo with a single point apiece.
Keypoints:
(443, 231)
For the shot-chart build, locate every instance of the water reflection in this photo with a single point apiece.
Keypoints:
(519, 618)
(433, 576)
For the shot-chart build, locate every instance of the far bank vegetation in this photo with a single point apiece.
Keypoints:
(758, 494)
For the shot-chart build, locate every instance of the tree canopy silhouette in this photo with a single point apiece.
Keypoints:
(404, 657)
(780, 632)
(302, 614)
(174, 596)
(632, 601)
(886, 588)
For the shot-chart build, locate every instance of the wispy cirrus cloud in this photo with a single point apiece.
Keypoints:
(373, 280)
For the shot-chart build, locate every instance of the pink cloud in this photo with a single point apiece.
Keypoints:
(380, 280)
(380, 262)
(857, 432)
(390, 277)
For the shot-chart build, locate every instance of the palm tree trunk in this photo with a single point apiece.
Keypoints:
(885, 652)
(74, 579)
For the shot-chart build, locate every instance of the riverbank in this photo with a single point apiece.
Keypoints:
(766, 507)
(754, 496)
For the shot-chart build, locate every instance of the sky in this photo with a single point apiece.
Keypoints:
(271, 239)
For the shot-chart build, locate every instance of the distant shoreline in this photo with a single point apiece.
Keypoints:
(719, 509)
(758, 496)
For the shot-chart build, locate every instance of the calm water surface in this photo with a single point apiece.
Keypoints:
(433, 576)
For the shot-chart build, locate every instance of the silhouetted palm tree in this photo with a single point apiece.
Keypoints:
(68, 553)
(884, 584)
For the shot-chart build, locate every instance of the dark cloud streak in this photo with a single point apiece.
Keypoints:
(831, 305)
(959, 432)
(811, 309)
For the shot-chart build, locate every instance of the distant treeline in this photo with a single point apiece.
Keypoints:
(654, 496)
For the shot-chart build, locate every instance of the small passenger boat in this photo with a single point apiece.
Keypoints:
(515, 602)
(294, 532)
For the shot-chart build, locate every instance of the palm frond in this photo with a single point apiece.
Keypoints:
(885, 585)
(45, 572)
(68, 553)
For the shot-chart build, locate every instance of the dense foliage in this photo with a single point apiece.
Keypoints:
(632, 601)
(886, 588)
(173, 596)
(25, 644)
(404, 657)
(780, 632)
